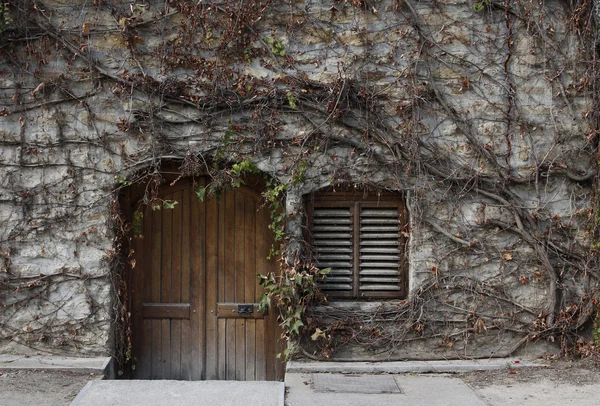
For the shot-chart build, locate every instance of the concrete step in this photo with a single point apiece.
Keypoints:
(94, 365)
(180, 393)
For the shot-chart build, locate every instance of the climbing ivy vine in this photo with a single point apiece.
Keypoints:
(485, 119)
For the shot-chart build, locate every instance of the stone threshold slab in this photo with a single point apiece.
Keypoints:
(397, 367)
(181, 393)
(97, 365)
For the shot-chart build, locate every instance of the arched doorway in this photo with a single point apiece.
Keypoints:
(194, 289)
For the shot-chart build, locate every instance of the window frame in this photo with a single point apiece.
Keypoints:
(356, 200)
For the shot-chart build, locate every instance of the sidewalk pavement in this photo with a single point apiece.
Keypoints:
(33, 381)
(433, 383)
(362, 390)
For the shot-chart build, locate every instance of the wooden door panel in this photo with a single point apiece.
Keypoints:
(192, 258)
(187, 347)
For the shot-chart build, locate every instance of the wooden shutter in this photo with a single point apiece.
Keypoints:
(363, 244)
(332, 239)
(380, 266)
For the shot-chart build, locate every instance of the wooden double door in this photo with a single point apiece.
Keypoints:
(194, 288)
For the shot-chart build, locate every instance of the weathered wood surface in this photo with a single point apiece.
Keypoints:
(196, 263)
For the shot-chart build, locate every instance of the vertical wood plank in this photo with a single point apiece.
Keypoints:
(155, 293)
(143, 274)
(250, 285)
(261, 362)
(230, 353)
(221, 282)
(229, 282)
(165, 287)
(222, 346)
(165, 264)
(165, 348)
(187, 353)
(200, 286)
(197, 284)
(176, 285)
(143, 369)
(149, 251)
(214, 216)
(240, 283)
(229, 249)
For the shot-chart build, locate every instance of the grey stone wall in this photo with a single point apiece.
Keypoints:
(460, 97)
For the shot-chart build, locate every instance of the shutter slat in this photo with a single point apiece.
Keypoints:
(321, 212)
(380, 228)
(328, 220)
(388, 265)
(380, 238)
(380, 258)
(382, 272)
(379, 287)
(330, 229)
(326, 287)
(332, 235)
(334, 265)
(381, 280)
(337, 279)
(379, 242)
(333, 248)
(322, 243)
(326, 257)
(337, 272)
(390, 250)
(387, 221)
(379, 213)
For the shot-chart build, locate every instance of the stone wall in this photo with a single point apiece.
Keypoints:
(480, 113)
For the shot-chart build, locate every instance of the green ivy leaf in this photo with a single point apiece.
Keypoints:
(170, 204)
(264, 303)
(200, 193)
(295, 326)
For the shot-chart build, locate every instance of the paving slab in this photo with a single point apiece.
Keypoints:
(180, 393)
(416, 390)
(355, 383)
(449, 366)
(541, 393)
(94, 365)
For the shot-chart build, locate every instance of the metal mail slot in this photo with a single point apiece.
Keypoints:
(239, 310)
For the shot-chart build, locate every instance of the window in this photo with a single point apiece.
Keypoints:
(362, 239)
